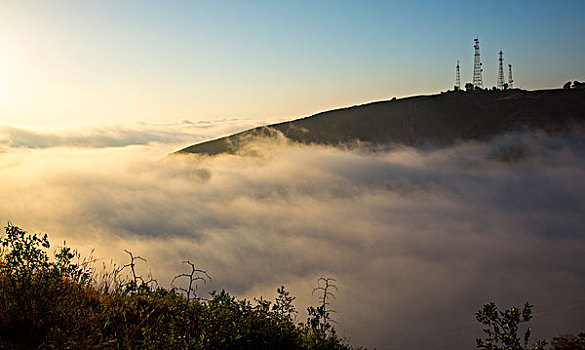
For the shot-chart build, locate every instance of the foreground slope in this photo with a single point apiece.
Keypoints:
(424, 120)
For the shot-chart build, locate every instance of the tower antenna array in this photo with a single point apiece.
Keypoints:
(477, 70)
(500, 81)
(457, 77)
(510, 80)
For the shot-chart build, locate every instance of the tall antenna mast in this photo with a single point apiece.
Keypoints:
(477, 70)
(457, 77)
(500, 81)
(510, 80)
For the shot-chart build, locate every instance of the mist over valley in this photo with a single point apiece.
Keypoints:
(418, 236)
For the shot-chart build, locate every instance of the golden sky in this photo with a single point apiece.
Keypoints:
(71, 62)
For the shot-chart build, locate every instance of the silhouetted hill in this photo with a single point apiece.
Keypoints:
(437, 120)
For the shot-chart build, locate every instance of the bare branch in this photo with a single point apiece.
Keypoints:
(325, 286)
(193, 276)
(136, 282)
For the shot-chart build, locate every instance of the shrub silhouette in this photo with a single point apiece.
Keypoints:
(503, 328)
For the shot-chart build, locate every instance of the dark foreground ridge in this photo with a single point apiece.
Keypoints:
(437, 120)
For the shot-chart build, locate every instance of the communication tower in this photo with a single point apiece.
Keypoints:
(510, 80)
(500, 81)
(457, 77)
(477, 70)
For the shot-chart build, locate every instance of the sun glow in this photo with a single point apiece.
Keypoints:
(2, 84)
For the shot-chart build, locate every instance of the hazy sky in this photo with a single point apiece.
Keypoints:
(72, 62)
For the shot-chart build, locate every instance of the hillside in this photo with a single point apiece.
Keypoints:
(436, 120)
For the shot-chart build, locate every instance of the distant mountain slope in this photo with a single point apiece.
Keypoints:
(424, 120)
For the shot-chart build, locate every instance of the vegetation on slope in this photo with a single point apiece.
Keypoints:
(60, 304)
(436, 120)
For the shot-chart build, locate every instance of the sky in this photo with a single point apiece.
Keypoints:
(66, 63)
(95, 94)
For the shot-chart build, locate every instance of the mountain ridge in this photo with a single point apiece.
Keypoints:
(434, 120)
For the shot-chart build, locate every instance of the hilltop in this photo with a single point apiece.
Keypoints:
(435, 120)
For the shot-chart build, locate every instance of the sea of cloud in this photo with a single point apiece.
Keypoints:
(417, 239)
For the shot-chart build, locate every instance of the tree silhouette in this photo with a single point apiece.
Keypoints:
(136, 284)
(194, 275)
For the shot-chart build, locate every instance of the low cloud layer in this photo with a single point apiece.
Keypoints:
(417, 239)
(119, 135)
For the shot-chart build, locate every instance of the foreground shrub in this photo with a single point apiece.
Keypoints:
(503, 328)
(51, 303)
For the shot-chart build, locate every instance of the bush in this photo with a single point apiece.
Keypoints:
(53, 304)
(503, 328)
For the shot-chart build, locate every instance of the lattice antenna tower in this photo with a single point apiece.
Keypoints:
(500, 81)
(510, 80)
(457, 76)
(477, 70)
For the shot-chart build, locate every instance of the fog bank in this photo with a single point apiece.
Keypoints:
(418, 239)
